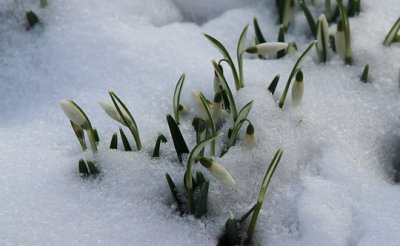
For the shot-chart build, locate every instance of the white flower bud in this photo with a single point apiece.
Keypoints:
(75, 114)
(250, 139)
(218, 171)
(297, 89)
(113, 113)
(267, 48)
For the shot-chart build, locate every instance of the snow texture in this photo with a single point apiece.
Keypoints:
(334, 185)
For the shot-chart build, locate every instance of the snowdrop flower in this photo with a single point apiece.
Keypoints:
(113, 113)
(75, 114)
(339, 38)
(217, 171)
(198, 106)
(250, 139)
(267, 48)
(219, 114)
(322, 38)
(298, 89)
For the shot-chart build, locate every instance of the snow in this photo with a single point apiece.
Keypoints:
(334, 185)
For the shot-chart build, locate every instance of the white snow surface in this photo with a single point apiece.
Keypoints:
(334, 185)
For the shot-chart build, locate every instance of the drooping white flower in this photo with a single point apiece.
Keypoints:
(75, 114)
(297, 89)
(250, 139)
(267, 48)
(217, 171)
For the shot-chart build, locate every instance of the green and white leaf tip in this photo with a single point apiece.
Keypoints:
(322, 38)
(298, 89)
(266, 48)
(217, 170)
(391, 36)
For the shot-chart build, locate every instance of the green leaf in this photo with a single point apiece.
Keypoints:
(126, 116)
(228, 58)
(32, 18)
(173, 189)
(259, 36)
(161, 138)
(392, 33)
(92, 168)
(242, 116)
(177, 138)
(114, 141)
(294, 71)
(286, 14)
(83, 170)
(200, 180)
(328, 13)
(96, 135)
(125, 141)
(226, 89)
(274, 83)
(267, 178)
(211, 122)
(79, 134)
(347, 39)
(322, 39)
(281, 38)
(202, 206)
(239, 53)
(364, 75)
(177, 96)
(309, 17)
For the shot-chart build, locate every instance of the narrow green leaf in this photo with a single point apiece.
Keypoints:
(231, 234)
(364, 75)
(259, 36)
(83, 170)
(267, 178)
(281, 38)
(177, 138)
(96, 135)
(328, 13)
(274, 83)
(322, 39)
(309, 18)
(211, 122)
(127, 118)
(226, 89)
(347, 39)
(202, 206)
(351, 8)
(296, 67)
(177, 96)
(114, 141)
(173, 189)
(32, 18)
(79, 134)
(242, 116)
(161, 138)
(227, 57)
(200, 180)
(392, 33)
(125, 141)
(239, 53)
(92, 168)
(286, 14)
